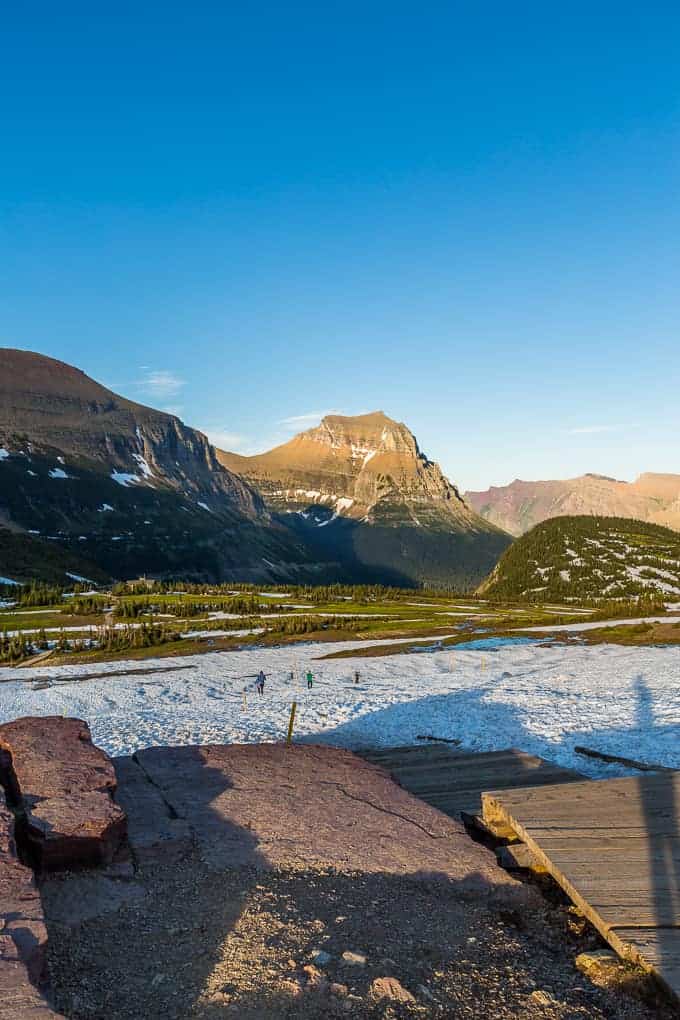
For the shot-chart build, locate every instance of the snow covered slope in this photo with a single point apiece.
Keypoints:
(542, 698)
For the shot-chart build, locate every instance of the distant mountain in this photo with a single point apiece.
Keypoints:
(520, 505)
(127, 487)
(589, 558)
(134, 490)
(359, 490)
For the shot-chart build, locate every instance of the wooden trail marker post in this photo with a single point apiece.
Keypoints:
(291, 723)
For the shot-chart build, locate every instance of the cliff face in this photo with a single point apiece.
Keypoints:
(360, 467)
(126, 487)
(519, 506)
(50, 408)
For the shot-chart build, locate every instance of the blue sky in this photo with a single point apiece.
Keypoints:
(466, 215)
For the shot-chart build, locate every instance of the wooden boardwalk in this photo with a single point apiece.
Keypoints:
(453, 780)
(614, 847)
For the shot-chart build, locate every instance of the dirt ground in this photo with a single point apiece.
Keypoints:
(207, 945)
(246, 895)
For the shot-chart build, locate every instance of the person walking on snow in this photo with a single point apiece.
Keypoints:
(260, 682)
(310, 680)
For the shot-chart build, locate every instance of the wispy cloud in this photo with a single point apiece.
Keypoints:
(589, 430)
(301, 421)
(159, 383)
(224, 439)
(304, 421)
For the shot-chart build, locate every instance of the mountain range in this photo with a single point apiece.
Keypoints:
(359, 489)
(134, 490)
(519, 506)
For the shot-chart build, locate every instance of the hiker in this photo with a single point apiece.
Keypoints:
(260, 682)
(310, 680)
(356, 676)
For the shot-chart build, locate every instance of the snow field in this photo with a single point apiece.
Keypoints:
(540, 698)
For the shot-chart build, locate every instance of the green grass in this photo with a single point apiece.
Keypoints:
(396, 618)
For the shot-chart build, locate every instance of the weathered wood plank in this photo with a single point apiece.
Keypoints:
(453, 780)
(614, 847)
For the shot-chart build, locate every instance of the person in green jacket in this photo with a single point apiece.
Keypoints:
(310, 679)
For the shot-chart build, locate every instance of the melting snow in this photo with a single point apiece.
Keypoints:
(4, 454)
(58, 473)
(543, 698)
(104, 508)
(204, 506)
(7, 580)
(146, 470)
(124, 478)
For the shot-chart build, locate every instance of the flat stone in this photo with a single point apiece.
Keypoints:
(64, 786)
(155, 834)
(354, 959)
(321, 957)
(269, 805)
(604, 968)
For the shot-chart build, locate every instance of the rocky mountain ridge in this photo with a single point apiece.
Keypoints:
(517, 507)
(127, 487)
(362, 467)
(51, 409)
(359, 490)
(133, 490)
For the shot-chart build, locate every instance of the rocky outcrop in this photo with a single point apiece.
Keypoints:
(356, 466)
(269, 805)
(23, 935)
(62, 787)
(519, 506)
(360, 491)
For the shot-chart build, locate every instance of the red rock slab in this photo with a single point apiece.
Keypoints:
(63, 787)
(50, 756)
(23, 935)
(269, 805)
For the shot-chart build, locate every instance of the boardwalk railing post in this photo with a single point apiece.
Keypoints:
(293, 707)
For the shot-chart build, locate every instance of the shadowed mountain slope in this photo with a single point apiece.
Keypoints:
(130, 488)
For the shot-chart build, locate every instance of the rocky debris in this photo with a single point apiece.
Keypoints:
(237, 941)
(607, 970)
(389, 988)
(354, 959)
(23, 935)
(62, 787)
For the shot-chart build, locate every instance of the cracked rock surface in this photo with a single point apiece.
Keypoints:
(302, 882)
